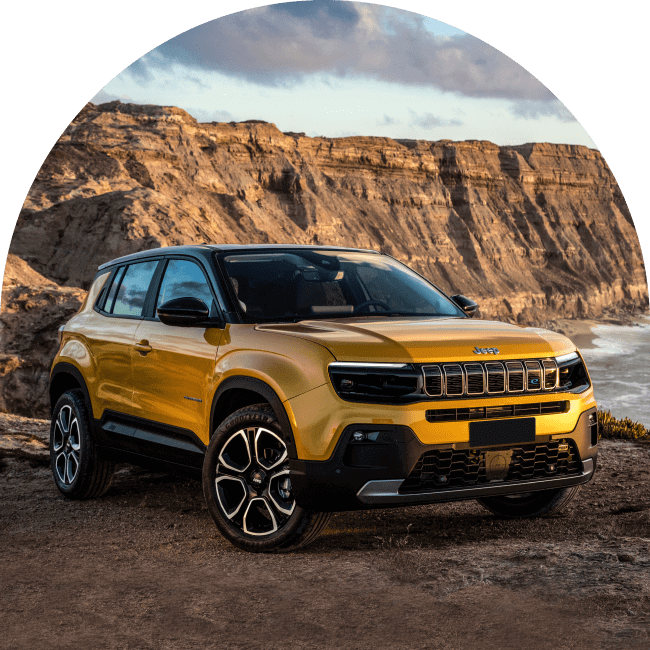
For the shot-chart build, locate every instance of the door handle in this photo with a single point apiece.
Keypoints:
(143, 347)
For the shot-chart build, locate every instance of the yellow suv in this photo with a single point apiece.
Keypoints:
(302, 380)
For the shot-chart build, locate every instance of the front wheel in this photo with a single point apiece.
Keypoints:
(530, 504)
(247, 485)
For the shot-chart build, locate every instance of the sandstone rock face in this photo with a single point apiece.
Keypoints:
(532, 232)
(33, 308)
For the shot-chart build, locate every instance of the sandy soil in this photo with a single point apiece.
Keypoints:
(144, 567)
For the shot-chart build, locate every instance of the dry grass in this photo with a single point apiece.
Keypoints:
(625, 429)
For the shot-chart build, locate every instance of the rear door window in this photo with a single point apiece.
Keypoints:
(132, 291)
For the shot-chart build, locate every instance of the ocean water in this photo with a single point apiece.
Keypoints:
(619, 366)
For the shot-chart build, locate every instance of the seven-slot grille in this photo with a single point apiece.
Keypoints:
(453, 468)
(490, 378)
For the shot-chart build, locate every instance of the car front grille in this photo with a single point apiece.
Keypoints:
(442, 469)
(488, 378)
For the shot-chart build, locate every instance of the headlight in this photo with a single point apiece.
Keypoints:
(380, 382)
(573, 373)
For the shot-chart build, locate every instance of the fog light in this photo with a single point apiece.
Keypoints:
(593, 428)
(358, 436)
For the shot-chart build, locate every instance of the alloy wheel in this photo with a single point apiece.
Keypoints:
(66, 445)
(252, 481)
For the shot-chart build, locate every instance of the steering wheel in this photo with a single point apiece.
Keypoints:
(369, 303)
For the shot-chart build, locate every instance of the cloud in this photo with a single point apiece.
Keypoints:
(280, 45)
(103, 97)
(140, 71)
(325, 18)
(202, 115)
(533, 110)
(388, 121)
(430, 121)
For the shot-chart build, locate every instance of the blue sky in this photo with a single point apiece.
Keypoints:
(332, 68)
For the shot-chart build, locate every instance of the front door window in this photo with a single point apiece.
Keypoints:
(184, 279)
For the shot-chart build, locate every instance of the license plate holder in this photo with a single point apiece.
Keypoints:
(501, 432)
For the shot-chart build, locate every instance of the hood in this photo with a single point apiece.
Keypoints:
(422, 340)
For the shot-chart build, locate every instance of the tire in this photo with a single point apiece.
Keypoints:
(531, 504)
(79, 470)
(247, 487)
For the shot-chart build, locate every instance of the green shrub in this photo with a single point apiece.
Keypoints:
(610, 427)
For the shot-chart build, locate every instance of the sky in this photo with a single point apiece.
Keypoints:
(334, 68)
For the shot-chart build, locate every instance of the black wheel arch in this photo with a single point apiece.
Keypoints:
(64, 377)
(236, 392)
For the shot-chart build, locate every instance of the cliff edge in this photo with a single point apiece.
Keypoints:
(532, 232)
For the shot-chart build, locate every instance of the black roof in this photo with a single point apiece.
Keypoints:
(204, 250)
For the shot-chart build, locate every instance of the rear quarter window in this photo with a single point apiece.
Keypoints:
(97, 290)
(112, 291)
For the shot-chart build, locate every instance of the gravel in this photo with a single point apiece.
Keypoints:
(144, 567)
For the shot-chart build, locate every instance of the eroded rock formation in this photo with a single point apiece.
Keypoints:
(33, 308)
(532, 231)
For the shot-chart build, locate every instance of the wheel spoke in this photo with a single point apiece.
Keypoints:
(259, 518)
(280, 493)
(66, 471)
(232, 493)
(64, 418)
(73, 466)
(60, 464)
(224, 470)
(57, 437)
(270, 449)
(75, 439)
(236, 453)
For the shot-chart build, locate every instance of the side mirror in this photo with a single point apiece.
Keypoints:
(183, 311)
(467, 305)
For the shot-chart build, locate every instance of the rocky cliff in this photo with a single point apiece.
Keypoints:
(532, 231)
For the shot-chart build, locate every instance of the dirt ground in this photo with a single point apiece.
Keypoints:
(144, 567)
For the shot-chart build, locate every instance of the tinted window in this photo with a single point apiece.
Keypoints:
(133, 289)
(329, 284)
(185, 279)
(98, 289)
(402, 292)
(113, 290)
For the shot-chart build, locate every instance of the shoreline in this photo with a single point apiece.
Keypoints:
(581, 331)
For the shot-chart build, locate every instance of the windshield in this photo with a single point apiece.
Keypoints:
(305, 284)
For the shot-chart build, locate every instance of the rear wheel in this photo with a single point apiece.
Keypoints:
(79, 470)
(247, 485)
(530, 504)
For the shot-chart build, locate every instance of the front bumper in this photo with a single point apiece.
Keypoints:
(386, 493)
(355, 477)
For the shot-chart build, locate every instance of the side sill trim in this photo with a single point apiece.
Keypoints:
(387, 492)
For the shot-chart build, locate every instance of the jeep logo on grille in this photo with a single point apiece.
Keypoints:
(486, 350)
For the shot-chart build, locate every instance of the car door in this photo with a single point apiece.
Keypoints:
(111, 330)
(173, 366)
